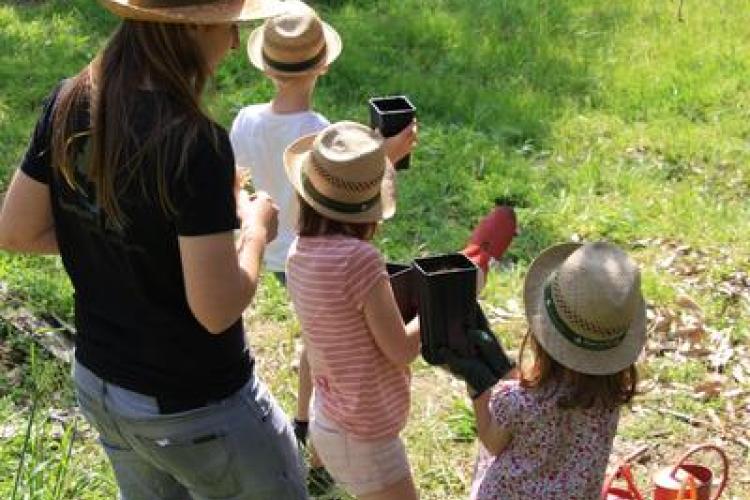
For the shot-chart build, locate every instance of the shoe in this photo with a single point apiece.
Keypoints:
(319, 481)
(300, 431)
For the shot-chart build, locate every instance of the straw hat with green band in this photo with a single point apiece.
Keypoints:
(194, 11)
(295, 42)
(343, 173)
(585, 307)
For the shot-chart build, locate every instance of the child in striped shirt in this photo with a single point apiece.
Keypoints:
(358, 346)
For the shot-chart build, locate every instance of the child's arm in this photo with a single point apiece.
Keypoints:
(492, 436)
(399, 343)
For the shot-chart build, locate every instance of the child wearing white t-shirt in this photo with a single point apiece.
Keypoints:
(261, 132)
(292, 49)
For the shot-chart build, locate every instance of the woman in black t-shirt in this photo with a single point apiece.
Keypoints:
(133, 185)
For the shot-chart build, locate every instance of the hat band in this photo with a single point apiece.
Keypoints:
(335, 205)
(568, 333)
(157, 4)
(294, 66)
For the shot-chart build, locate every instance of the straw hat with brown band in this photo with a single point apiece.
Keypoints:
(293, 43)
(343, 173)
(585, 307)
(194, 11)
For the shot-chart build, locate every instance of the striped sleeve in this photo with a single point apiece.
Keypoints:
(365, 268)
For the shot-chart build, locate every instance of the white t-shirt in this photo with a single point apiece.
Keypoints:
(259, 137)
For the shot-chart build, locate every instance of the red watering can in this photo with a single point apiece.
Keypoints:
(690, 481)
(683, 481)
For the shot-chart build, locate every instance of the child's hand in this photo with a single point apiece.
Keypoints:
(401, 144)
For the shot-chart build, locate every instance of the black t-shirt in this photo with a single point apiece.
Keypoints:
(135, 328)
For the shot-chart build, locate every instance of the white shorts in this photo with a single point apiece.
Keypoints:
(360, 467)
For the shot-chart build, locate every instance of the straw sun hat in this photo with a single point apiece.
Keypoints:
(343, 173)
(585, 307)
(293, 43)
(194, 11)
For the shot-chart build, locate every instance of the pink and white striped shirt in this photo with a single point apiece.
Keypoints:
(328, 279)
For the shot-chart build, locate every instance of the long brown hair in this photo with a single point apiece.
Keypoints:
(138, 56)
(575, 389)
(312, 223)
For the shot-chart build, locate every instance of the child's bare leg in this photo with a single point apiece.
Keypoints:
(481, 281)
(304, 392)
(303, 401)
(402, 490)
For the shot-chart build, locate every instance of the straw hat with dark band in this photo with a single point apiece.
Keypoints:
(293, 43)
(585, 307)
(194, 11)
(343, 173)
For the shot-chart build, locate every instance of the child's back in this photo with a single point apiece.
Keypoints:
(558, 453)
(355, 384)
(259, 138)
(549, 434)
(292, 49)
(357, 344)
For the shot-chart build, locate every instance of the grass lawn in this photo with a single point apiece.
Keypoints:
(603, 120)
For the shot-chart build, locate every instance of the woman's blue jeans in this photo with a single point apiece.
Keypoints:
(240, 448)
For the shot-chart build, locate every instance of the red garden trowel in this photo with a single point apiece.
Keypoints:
(683, 481)
(492, 236)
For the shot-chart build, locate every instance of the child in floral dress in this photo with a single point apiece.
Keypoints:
(548, 435)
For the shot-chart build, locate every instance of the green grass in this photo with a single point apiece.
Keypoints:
(605, 120)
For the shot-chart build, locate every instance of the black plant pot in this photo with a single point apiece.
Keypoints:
(391, 115)
(404, 289)
(447, 286)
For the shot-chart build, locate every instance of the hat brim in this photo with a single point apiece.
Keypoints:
(555, 344)
(255, 52)
(220, 12)
(298, 155)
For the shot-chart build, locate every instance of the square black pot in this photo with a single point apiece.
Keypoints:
(404, 289)
(447, 286)
(391, 115)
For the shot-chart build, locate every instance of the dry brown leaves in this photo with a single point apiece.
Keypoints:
(700, 325)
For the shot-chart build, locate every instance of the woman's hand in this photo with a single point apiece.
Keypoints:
(259, 215)
(401, 144)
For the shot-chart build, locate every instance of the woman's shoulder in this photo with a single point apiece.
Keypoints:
(209, 144)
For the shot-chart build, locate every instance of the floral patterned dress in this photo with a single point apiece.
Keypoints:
(554, 453)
